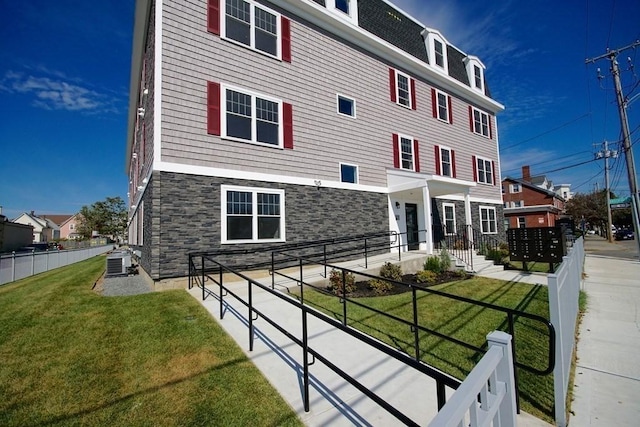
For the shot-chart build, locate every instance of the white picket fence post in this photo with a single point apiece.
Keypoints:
(493, 381)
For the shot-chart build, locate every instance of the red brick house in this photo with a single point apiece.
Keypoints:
(530, 201)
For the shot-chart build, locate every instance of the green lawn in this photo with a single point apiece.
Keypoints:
(69, 356)
(465, 322)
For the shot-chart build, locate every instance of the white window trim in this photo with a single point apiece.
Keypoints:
(223, 116)
(449, 149)
(338, 96)
(512, 186)
(352, 16)
(430, 35)
(447, 96)
(413, 154)
(495, 219)
(518, 222)
(357, 173)
(470, 62)
(251, 46)
(411, 96)
(254, 190)
(444, 217)
(484, 159)
(473, 118)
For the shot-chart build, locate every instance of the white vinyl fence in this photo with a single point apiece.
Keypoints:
(17, 266)
(492, 380)
(564, 293)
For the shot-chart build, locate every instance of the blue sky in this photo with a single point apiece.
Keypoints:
(64, 81)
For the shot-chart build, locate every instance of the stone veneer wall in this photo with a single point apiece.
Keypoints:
(438, 215)
(182, 214)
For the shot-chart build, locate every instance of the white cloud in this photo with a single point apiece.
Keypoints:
(56, 92)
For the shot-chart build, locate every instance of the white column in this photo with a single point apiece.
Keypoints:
(428, 224)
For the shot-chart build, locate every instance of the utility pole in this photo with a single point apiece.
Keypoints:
(605, 153)
(626, 139)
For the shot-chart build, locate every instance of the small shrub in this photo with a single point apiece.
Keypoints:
(460, 273)
(445, 260)
(432, 263)
(335, 280)
(391, 271)
(497, 255)
(427, 277)
(380, 287)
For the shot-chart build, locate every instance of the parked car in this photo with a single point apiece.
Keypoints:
(624, 234)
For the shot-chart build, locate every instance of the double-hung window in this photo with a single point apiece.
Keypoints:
(445, 161)
(484, 171)
(252, 215)
(488, 220)
(252, 25)
(438, 48)
(441, 104)
(480, 123)
(403, 89)
(406, 153)
(252, 117)
(449, 213)
(477, 76)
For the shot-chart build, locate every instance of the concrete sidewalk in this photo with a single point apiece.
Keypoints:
(607, 381)
(333, 401)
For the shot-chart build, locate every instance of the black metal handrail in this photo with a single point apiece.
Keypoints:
(200, 278)
(511, 314)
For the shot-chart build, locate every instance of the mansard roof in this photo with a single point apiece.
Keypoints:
(394, 26)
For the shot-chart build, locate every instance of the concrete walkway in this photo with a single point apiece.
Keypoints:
(333, 401)
(607, 381)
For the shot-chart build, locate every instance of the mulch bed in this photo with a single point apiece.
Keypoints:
(363, 290)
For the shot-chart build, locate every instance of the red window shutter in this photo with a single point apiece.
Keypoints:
(287, 119)
(144, 142)
(437, 153)
(392, 84)
(434, 103)
(413, 94)
(213, 17)
(470, 118)
(475, 168)
(450, 110)
(285, 26)
(453, 163)
(213, 108)
(490, 128)
(416, 155)
(493, 168)
(396, 151)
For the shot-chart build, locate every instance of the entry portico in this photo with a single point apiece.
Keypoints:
(410, 205)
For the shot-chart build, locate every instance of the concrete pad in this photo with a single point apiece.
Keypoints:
(607, 382)
(333, 400)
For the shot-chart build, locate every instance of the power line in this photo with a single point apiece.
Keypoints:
(546, 132)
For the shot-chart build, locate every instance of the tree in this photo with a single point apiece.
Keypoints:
(590, 207)
(107, 218)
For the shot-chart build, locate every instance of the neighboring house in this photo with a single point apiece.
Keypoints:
(44, 230)
(69, 228)
(531, 201)
(14, 236)
(253, 123)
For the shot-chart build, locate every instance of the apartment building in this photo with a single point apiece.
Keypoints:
(256, 123)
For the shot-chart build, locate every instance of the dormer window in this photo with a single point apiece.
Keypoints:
(436, 46)
(475, 72)
(343, 5)
(344, 9)
(439, 52)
